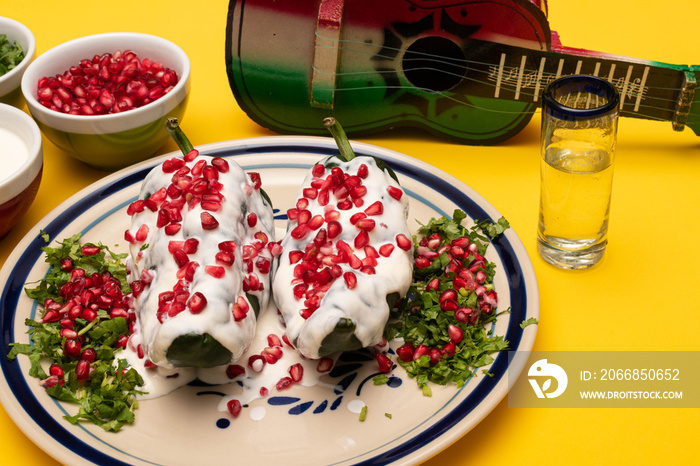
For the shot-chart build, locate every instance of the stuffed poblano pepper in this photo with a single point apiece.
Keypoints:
(200, 258)
(347, 255)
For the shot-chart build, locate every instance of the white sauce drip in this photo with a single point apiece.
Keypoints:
(355, 406)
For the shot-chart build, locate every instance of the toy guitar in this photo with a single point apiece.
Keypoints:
(469, 70)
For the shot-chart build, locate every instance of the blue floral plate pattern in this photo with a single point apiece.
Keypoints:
(305, 425)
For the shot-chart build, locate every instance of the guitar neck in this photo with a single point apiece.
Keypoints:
(649, 90)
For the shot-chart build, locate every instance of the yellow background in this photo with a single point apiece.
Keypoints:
(644, 296)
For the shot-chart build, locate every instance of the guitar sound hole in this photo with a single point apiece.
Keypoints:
(434, 63)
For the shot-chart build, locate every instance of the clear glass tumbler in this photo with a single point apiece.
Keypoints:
(579, 131)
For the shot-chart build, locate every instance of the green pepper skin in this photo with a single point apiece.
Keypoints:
(200, 350)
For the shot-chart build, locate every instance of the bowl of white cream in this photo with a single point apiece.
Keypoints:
(22, 162)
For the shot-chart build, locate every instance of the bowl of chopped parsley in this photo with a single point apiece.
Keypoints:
(17, 49)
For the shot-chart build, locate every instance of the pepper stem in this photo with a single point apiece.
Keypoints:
(172, 125)
(341, 139)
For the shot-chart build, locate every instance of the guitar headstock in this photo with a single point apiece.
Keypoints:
(693, 121)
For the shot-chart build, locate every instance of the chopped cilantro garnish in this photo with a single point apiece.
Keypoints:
(363, 413)
(422, 322)
(10, 55)
(530, 321)
(107, 394)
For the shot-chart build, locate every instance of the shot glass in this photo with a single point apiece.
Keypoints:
(579, 131)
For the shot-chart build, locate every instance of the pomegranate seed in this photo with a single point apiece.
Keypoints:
(345, 204)
(191, 155)
(361, 240)
(56, 370)
(234, 370)
(405, 352)
(82, 369)
(310, 193)
(384, 363)
(300, 232)
(377, 208)
(455, 333)
(296, 371)
(71, 348)
(118, 312)
(434, 284)
(363, 171)
(263, 264)
(256, 362)
(234, 407)
(284, 383)
(403, 242)
(197, 303)
(89, 355)
(295, 256)
(215, 271)
(366, 224)
(228, 246)
(240, 309)
(272, 354)
(386, 249)
(88, 314)
(51, 315)
(357, 217)
(181, 257)
(252, 219)
(420, 351)
(273, 340)
(220, 164)
(334, 229)
(255, 178)
(90, 250)
(350, 280)
(318, 170)
(395, 192)
(325, 364)
(121, 341)
(208, 221)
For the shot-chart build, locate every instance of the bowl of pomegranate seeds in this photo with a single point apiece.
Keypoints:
(22, 161)
(17, 49)
(105, 98)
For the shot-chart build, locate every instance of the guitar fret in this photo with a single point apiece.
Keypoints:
(523, 61)
(561, 67)
(623, 94)
(539, 78)
(500, 75)
(522, 75)
(641, 89)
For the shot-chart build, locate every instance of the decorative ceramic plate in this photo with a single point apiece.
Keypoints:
(316, 425)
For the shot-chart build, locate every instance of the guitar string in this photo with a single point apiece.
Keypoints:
(449, 95)
(509, 71)
(441, 59)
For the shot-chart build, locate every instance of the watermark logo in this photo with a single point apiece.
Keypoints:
(551, 371)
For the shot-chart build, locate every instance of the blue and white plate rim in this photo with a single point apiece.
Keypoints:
(26, 410)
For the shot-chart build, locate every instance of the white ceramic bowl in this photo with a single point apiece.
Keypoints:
(110, 141)
(22, 169)
(10, 92)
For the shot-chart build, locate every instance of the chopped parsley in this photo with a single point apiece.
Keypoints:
(10, 55)
(421, 322)
(106, 394)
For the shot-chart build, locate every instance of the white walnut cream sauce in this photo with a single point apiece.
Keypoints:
(271, 364)
(349, 227)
